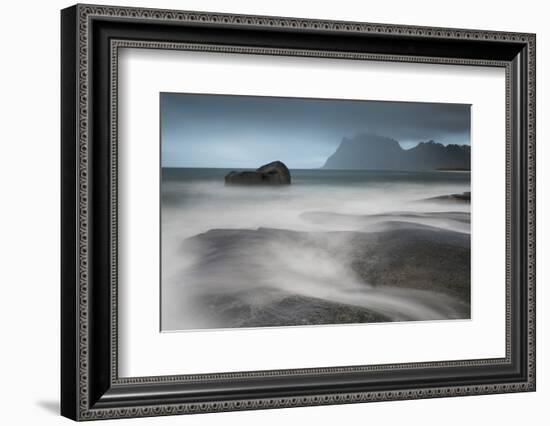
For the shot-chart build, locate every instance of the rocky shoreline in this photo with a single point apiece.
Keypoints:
(405, 271)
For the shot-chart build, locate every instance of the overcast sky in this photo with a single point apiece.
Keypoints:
(248, 131)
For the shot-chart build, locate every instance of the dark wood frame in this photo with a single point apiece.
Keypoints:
(90, 386)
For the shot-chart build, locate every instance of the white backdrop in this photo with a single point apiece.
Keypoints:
(29, 225)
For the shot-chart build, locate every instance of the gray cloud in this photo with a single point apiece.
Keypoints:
(245, 131)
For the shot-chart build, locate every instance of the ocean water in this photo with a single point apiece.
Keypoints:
(331, 206)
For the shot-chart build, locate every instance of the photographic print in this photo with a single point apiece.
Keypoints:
(279, 211)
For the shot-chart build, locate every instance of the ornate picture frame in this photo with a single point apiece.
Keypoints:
(91, 37)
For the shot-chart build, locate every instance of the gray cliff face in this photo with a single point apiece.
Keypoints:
(274, 173)
(369, 151)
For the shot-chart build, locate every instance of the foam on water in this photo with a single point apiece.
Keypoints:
(197, 202)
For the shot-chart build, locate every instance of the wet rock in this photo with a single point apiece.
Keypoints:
(274, 173)
(465, 197)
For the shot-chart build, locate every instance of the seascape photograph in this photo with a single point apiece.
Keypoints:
(279, 211)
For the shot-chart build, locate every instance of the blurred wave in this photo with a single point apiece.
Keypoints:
(333, 247)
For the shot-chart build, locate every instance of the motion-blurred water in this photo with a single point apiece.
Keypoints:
(195, 201)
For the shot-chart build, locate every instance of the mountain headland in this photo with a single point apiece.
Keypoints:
(371, 151)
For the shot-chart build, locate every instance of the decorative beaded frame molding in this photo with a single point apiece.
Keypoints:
(85, 410)
(116, 45)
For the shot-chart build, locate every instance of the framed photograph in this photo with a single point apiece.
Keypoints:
(263, 212)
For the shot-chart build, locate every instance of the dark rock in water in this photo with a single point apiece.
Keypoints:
(275, 173)
(244, 178)
(464, 197)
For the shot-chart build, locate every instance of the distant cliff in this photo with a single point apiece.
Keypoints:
(369, 151)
